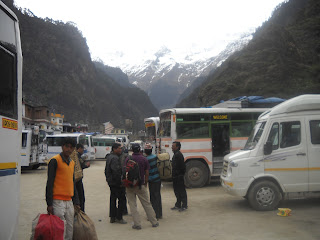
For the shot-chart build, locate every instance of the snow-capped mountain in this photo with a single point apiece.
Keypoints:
(166, 75)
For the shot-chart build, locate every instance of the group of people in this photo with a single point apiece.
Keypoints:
(63, 193)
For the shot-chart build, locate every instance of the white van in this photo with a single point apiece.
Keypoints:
(103, 145)
(29, 154)
(54, 142)
(89, 151)
(281, 157)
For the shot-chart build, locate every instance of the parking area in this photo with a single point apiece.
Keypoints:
(212, 214)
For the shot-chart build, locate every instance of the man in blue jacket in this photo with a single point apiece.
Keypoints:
(154, 181)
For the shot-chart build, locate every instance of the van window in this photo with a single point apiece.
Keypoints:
(290, 134)
(274, 136)
(315, 131)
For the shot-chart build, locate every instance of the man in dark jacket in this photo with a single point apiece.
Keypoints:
(113, 172)
(178, 171)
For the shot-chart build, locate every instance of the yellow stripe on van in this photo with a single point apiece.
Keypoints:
(8, 165)
(286, 169)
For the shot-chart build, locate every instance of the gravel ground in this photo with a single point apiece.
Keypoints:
(212, 213)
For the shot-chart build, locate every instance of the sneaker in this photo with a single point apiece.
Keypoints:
(136, 227)
(182, 209)
(121, 221)
(155, 225)
(175, 208)
(112, 220)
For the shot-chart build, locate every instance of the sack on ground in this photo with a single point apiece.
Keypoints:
(78, 173)
(131, 174)
(49, 227)
(83, 227)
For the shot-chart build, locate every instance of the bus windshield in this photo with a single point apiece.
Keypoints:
(165, 124)
(255, 136)
(150, 131)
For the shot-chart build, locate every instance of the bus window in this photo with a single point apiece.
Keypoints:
(241, 129)
(192, 130)
(57, 141)
(8, 90)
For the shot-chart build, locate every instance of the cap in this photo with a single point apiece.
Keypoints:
(135, 147)
(147, 146)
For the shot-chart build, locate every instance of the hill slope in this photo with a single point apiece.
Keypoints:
(282, 59)
(58, 72)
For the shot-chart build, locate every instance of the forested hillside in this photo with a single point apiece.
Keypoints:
(58, 72)
(282, 59)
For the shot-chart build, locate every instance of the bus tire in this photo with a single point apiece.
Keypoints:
(36, 166)
(196, 175)
(264, 196)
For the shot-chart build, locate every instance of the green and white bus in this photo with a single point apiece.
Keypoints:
(206, 136)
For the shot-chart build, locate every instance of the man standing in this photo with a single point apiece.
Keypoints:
(154, 181)
(60, 189)
(113, 173)
(140, 190)
(123, 157)
(178, 171)
(79, 184)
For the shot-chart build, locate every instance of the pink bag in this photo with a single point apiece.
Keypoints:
(49, 227)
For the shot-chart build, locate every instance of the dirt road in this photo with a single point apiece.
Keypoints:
(212, 213)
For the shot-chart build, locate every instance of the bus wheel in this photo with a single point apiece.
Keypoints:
(264, 196)
(196, 174)
(36, 166)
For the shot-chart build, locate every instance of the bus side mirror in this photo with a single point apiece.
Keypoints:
(267, 148)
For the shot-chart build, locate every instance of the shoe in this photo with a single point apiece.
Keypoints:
(182, 209)
(136, 227)
(155, 225)
(121, 221)
(175, 208)
(112, 220)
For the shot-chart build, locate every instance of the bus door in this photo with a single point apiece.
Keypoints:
(220, 145)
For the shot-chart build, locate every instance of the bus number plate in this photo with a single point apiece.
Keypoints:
(10, 124)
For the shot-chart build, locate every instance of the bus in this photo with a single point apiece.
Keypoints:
(54, 142)
(206, 136)
(11, 122)
(30, 149)
(103, 145)
(151, 128)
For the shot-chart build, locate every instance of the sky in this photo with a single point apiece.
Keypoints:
(121, 32)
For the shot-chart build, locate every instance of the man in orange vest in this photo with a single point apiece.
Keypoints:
(61, 193)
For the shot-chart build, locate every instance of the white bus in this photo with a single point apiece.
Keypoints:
(103, 145)
(30, 149)
(54, 142)
(151, 128)
(206, 136)
(11, 122)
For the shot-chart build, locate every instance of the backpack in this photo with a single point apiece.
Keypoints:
(131, 174)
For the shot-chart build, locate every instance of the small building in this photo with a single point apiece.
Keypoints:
(57, 121)
(35, 116)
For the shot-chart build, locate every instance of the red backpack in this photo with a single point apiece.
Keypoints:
(131, 174)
